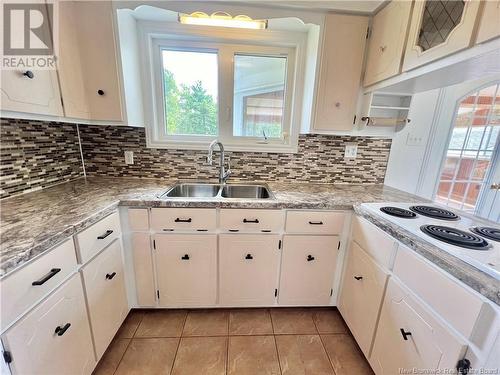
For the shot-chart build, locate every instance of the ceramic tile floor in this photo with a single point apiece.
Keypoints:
(288, 341)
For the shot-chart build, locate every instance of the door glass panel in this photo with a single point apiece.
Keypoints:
(259, 96)
(469, 155)
(438, 20)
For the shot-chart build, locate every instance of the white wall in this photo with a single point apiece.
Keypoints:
(410, 144)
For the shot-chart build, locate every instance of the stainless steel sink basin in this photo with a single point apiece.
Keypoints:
(246, 191)
(192, 191)
(201, 190)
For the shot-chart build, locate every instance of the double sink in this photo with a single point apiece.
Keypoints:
(225, 191)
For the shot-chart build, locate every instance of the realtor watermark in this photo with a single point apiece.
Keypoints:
(446, 371)
(29, 37)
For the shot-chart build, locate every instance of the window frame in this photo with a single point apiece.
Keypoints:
(155, 38)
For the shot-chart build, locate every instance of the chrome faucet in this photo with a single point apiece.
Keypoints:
(223, 174)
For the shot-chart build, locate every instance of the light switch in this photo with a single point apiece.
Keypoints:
(351, 150)
(129, 157)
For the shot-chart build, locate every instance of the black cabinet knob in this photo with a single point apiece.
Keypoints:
(110, 276)
(405, 334)
(358, 277)
(100, 92)
(62, 330)
(29, 74)
(310, 258)
(185, 257)
(179, 220)
(255, 221)
(249, 256)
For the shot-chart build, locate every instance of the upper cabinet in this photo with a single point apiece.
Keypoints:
(439, 28)
(489, 24)
(340, 72)
(387, 40)
(88, 61)
(31, 90)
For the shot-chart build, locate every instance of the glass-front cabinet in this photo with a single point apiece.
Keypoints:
(439, 28)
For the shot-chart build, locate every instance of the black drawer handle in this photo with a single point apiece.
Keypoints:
(358, 277)
(110, 276)
(234, 230)
(185, 257)
(316, 222)
(249, 256)
(405, 334)
(47, 277)
(309, 258)
(256, 221)
(179, 220)
(103, 236)
(62, 330)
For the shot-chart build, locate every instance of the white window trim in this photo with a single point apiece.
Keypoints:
(153, 36)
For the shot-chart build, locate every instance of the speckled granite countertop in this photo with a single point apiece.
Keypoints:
(32, 223)
(480, 281)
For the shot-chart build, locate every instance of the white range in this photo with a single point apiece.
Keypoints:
(475, 242)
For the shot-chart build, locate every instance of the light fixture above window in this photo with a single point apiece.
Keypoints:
(222, 19)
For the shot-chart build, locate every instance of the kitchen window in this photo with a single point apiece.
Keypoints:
(207, 88)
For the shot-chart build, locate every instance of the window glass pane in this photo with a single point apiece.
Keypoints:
(190, 92)
(259, 96)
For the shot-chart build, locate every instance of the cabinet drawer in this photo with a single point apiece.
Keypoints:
(186, 266)
(98, 236)
(362, 292)
(248, 269)
(188, 219)
(48, 271)
(106, 298)
(236, 220)
(439, 290)
(138, 219)
(308, 266)
(410, 337)
(54, 338)
(374, 241)
(316, 222)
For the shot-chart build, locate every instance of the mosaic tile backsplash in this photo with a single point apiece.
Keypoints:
(320, 159)
(37, 154)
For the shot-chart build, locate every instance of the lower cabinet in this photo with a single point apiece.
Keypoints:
(107, 300)
(410, 337)
(54, 338)
(307, 270)
(143, 269)
(248, 269)
(186, 268)
(361, 296)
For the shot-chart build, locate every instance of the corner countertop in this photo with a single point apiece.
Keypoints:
(32, 223)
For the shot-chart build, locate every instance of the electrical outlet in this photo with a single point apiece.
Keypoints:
(129, 157)
(414, 139)
(351, 150)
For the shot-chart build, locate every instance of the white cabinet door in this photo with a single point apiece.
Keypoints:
(186, 268)
(143, 270)
(387, 40)
(489, 24)
(339, 82)
(249, 267)
(308, 266)
(39, 95)
(54, 338)
(90, 83)
(439, 28)
(361, 296)
(106, 297)
(410, 337)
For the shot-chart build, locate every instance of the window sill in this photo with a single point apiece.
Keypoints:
(203, 145)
